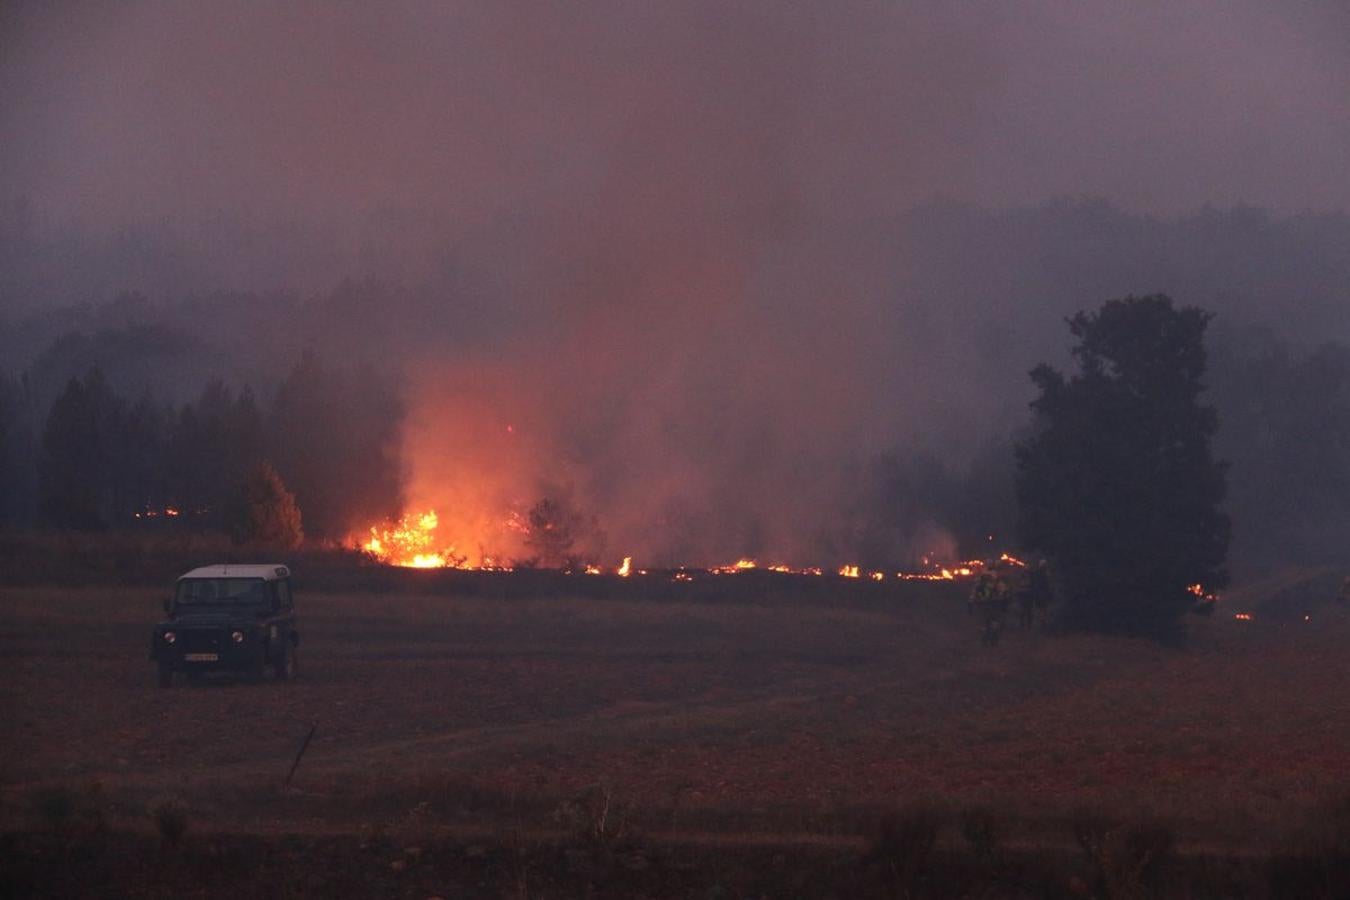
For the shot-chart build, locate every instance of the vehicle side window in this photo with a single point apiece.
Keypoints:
(284, 593)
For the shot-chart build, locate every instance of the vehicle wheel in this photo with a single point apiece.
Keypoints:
(285, 667)
(165, 678)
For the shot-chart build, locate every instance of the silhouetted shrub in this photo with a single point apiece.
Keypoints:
(1127, 861)
(981, 829)
(265, 512)
(903, 847)
(70, 814)
(171, 820)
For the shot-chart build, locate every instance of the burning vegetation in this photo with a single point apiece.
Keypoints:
(412, 542)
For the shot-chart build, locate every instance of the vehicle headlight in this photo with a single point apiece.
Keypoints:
(170, 637)
(237, 637)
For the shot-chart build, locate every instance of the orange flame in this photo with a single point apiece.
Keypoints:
(410, 542)
(740, 565)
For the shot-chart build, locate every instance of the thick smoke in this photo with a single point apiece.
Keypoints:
(680, 262)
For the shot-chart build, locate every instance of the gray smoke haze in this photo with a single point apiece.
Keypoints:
(674, 247)
(119, 113)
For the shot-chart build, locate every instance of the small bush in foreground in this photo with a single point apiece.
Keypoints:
(171, 821)
(1318, 864)
(68, 813)
(1127, 861)
(904, 845)
(982, 830)
(593, 817)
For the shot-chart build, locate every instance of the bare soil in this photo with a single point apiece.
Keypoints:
(752, 722)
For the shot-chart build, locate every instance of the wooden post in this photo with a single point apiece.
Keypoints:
(303, 747)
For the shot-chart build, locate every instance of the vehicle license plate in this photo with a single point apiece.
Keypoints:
(201, 657)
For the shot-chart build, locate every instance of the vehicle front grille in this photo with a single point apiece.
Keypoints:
(203, 640)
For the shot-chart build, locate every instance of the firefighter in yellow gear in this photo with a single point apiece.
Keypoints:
(990, 600)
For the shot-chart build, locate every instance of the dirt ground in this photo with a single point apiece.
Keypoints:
(768, 719)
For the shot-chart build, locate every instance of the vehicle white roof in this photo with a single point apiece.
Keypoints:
(266, 571)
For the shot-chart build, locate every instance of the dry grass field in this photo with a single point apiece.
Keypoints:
(755, 723)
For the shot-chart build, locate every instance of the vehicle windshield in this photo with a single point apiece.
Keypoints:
(220, 591)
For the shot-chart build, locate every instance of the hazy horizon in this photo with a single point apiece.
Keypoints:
(709, 260)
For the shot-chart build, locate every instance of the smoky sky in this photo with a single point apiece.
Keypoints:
(666, 222)
(120, 111)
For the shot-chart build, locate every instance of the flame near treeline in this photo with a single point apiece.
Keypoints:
(412, 542)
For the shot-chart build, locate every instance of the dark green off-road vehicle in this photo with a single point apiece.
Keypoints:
(228, 618)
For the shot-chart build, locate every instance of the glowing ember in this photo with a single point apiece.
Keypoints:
(592, 570)
(1204, 596)
(1243, 617)
(849, 571)
(168, 512)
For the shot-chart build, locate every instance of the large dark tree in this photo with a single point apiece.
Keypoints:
(213, 446)
(1117, 485)
(334, 435)
(75, 467)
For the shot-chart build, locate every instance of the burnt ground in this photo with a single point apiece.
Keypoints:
(493, 735)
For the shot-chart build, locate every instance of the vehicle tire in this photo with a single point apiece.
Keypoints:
(284, 668)
(165, 676)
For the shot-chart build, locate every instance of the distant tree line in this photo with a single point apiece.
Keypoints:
(1283, 428)
(1284, 425)
(95, 459)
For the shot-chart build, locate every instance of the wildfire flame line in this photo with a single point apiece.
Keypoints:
(411, 542)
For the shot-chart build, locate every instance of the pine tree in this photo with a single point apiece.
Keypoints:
(265, 512)
(1118, 486)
